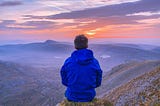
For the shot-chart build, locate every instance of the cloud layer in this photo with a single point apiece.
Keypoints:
(96, 18)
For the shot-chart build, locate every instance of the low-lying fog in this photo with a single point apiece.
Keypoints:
(51, 54)
(31, 72)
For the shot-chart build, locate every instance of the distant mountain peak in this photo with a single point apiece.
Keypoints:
(50, 41)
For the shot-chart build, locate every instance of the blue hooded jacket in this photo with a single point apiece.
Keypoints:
(81, 74)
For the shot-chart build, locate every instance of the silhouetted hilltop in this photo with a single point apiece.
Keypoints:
(50, 42)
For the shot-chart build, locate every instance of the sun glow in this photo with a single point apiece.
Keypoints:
(93, 32)
(90, 34)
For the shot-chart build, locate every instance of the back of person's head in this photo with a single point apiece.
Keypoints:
(81, 42)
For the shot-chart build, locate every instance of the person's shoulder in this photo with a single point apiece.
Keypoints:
(96, 63)
(95, 60)
(91, 51)
(68, 60)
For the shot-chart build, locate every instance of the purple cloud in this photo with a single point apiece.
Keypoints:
(10, 3)
(11, 24)
(111, 10)
(40, 24)
(4, 23)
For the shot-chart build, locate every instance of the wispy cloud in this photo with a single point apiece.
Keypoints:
(4, 23)
(112, 10)
(148, 13)
(71, 5)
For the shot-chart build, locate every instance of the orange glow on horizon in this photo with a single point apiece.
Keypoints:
(91, 31)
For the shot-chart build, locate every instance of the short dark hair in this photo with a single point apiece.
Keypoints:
(81, 42)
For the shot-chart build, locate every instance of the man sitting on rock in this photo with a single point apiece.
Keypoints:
(81, 73)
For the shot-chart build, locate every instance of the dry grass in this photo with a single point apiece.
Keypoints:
(95, 102)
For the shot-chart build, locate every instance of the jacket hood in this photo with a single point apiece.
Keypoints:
(82, 56)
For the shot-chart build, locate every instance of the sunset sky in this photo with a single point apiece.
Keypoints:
(61, 20)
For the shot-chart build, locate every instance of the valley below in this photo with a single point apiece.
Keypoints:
(30, 73)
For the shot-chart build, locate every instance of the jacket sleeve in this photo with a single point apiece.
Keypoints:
(99, 77)
(64, 75)
(99, 74)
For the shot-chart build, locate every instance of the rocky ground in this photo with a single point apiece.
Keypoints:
(141, 91)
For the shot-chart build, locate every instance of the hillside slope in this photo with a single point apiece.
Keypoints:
(123, 73)
(143, 90)
(28, 86)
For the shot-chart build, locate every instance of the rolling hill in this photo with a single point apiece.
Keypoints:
(109, 55)
(28, 86)
(143, 90)
(47, 46)
(123, 73)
